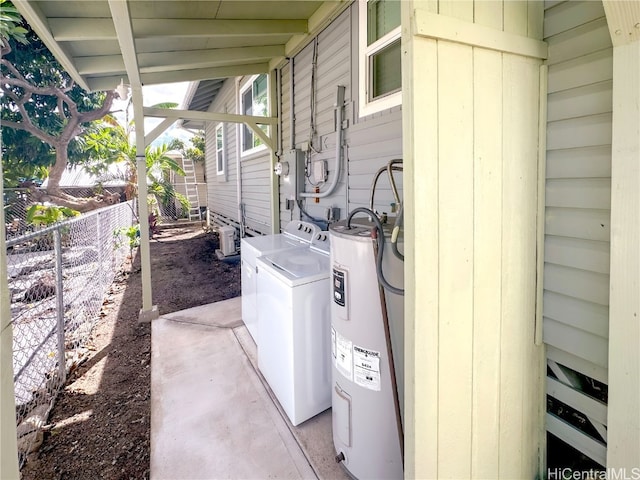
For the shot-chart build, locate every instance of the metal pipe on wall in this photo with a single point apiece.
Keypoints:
(239, 127)
(292, 117)
(339, 107)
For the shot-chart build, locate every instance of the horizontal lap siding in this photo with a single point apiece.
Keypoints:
(333, 69)
(285, 128)
(578, 193)
(370, 141)
(222, 195)
(256, 195)
(373, 141)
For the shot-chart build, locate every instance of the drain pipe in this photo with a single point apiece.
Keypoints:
(239, 127)
(338, 156)
(292, 118)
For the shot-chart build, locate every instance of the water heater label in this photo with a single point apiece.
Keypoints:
(366, 368)
(344, 356)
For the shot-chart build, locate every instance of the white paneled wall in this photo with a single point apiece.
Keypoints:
(471, 122)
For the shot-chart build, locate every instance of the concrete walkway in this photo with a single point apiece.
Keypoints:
(212, 414)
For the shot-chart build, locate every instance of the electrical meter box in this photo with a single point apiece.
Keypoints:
(291, 170)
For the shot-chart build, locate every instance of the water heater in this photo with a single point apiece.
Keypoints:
(367, 353)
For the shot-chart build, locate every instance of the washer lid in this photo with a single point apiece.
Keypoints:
(271, 243)
(298, 266)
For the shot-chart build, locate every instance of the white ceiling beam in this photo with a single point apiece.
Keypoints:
(208, 116)
(76, 29)
(204, 73)
(158, 130)
(178, 60)
(36, 19)
(126, 40)
(145, 28)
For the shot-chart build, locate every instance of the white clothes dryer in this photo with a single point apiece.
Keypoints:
(297, 234)
(294, 323)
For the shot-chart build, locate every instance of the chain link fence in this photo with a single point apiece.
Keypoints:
(17, 201)
(58, 278)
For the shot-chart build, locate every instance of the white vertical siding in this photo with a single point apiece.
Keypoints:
(578, 204)
(472, 152)
(623, 428)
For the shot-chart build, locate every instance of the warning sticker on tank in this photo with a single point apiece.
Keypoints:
(344, 356)
(366, 368)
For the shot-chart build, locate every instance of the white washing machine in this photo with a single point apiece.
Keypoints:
(297, 234)
(295, 327)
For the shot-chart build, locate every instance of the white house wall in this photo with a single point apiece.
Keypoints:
(222, 195)
(256, 195)
(471, 115)
(578, 209)
(222, 190)
(370, 142)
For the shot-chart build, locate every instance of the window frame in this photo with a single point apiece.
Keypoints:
(248, 85)
(365, 54)
(220, 164)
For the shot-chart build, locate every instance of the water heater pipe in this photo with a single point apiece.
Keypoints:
(338, 156)
(395, 164)
(380, 234)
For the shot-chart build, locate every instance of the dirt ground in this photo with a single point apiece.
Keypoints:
(99, 426)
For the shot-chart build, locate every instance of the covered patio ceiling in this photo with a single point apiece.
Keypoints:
(142, 42)
(102, 43)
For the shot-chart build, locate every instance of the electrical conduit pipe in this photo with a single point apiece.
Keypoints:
(338, 158)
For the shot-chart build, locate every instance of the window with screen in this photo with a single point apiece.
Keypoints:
(380, 55)
(254, 101)
(220, 149)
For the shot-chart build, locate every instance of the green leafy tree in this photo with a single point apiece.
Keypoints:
(195, 152)
(40, 102)
(113, 143)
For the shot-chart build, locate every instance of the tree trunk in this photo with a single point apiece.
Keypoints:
(57, 169)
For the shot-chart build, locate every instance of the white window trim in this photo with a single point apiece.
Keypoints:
(247, 85)
(365, 51)
(220, 171)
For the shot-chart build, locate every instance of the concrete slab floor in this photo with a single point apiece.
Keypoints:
(212, 414)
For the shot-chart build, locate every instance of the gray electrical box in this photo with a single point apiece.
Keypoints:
(291, 171)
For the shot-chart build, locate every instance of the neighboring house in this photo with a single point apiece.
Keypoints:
(77, 181)
(518, 125)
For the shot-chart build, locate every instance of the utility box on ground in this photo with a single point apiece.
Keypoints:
(227, 240)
